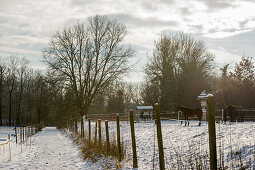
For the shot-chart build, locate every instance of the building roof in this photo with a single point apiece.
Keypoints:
(144, 107)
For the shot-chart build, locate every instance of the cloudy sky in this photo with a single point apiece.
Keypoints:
(226, 26)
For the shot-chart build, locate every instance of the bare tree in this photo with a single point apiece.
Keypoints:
(2, 73)
(195, 69)
(21, 76)
(11, 82)
(177, 71)
(162, 71)
(39, 85)
(90, 56)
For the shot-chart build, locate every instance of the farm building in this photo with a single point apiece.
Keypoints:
(144, 113)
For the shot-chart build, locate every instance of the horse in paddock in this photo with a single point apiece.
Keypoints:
(189, 112)
(229, 111)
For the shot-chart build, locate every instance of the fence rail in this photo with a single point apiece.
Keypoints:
(4, 143)
(240, 115)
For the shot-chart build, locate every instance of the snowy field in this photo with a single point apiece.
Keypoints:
(183, 146)
(53, 149)
(183, 143)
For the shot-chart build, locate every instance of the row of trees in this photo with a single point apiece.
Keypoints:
(181, 68)
(84, 63)
(237, 87)
(20, 91)
(32, 96)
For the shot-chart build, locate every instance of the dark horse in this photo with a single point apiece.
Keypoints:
(229, 111)
(189, 112)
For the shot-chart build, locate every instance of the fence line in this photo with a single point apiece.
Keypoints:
(126, 117)
(24, 133)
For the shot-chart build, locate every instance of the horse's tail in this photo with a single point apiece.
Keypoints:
(200, 114)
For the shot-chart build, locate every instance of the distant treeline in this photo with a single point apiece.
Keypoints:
(181, 68)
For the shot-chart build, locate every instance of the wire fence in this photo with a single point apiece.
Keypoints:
(17, 139)
(188, 151)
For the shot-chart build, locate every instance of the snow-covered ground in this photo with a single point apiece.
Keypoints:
(184, 145)
(49, 149)
(53, 149)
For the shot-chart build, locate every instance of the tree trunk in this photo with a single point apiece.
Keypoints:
(1, 101)
(0, 110)
(38, 114)
(10, 108)
(19, 106)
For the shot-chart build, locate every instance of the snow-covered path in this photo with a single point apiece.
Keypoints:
(49, 150)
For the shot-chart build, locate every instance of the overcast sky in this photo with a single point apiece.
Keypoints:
(226, 26)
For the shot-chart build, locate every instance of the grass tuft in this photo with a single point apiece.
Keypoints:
(94, 151)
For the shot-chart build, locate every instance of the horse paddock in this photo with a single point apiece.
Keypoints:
(187, 146)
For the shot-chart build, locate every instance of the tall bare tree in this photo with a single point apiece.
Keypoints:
(11, 81)
(195, 69)
(2, 73)
(21, 76)
(179, 68)
(90, 56)
(161, 70)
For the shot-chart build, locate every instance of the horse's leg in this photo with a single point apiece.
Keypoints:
(199, 119)
(188, 120)
(199, 123)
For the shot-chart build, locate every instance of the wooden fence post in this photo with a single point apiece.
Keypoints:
(131, 119)
(107, 136)
(76, 126)
(96, 132)
(30, 135)
(82, 128)
(16, 135)
(89, 130)
(69, 125)
(26, 133)
(118, 136)
(99, 132)
(9, 139)
(212, 133)
(20, 132)
(23, 133)
(160, 141)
